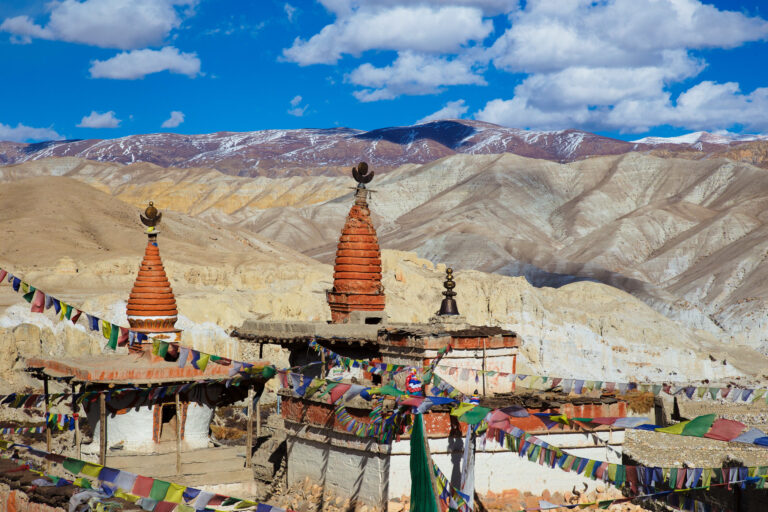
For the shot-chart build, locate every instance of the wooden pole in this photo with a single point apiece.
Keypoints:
(102, 428)
(483, 366)
(47, 426)
(178, 435)
(249, 435)
(77, 423)
(322, 367)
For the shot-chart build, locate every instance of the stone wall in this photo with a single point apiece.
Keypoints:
(17, 501)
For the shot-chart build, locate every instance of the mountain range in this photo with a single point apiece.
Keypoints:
(301, 152)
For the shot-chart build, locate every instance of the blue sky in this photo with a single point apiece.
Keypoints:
(623, 68)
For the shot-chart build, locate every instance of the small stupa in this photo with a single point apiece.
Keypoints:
(357, 270)
(152, 306)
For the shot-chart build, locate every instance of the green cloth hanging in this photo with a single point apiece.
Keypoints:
(159, 490)
(113, 335)
(422, 494)
(475, 415)
(390, 390)
(74, 466)
(699, 426)
(30, 295)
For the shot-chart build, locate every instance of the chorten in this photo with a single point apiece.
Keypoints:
(152, 306)
(357, 270)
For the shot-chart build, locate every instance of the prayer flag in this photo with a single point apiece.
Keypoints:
(159, 490)
(106, 329)
(29, 294)
(183, 353)
(16, 284)
(38, 303)
(202, 361)
(123, 337)
(93, 322)
(76, 316)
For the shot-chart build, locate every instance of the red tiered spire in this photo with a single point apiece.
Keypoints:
(357, 271)
(152, 306)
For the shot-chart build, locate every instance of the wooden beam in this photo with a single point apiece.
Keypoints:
(483, 366)
(249, 435)
(178, 435)
(47, 426)
(102, 429)
(76, 415)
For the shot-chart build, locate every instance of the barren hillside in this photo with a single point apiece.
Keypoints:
(84, 246)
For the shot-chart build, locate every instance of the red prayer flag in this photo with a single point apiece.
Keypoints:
(76, 316)
(123, 338)
(338, 390)
(725, 430)
(38, 302)
(142, 486)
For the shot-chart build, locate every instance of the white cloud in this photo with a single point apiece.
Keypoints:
(96, 120)
(175, 120)
(451, 110)
(23, 133)
(139, 63)
(295, 109)
(609, 65)
(412, 73)
(123, 24)
(420, 28)
(289, 11)
(550, 36)
(488, 7)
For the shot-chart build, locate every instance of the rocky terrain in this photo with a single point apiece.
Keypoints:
(313, 152)
(687, 237)
(84, 246)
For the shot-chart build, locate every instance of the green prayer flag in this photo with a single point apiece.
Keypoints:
(159, 490)
(390, 390)
(68, 313)
(423, 497)
(113, 334)
(162, 349)
(475, 415)
(699, 426)
(268, 372)
(74, 466)
(29, 296)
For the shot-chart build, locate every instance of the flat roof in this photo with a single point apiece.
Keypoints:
(127, 369)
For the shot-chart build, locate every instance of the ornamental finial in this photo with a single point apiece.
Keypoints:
(448, 305)
(151, 216)
(362, 174)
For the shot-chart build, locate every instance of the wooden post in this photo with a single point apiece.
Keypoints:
(322, 367)
(77, 423)
(103, 428)
(258, 418)
(483, 366)
(178, 435)
(47, 426)
(249, 435)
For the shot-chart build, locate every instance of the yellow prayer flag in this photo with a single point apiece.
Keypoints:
(128, 496)
(175, 493)
(91, 470)
(674, 429)
(24, 287)
(106, 327)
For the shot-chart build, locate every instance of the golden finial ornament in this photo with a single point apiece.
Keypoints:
(151, 216)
